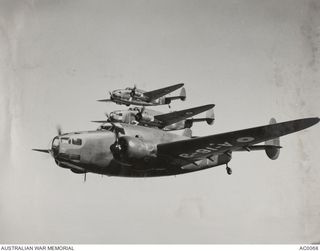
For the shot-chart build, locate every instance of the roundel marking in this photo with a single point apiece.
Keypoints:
(245, 139)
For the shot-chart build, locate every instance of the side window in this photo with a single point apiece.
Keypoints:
(77, 142)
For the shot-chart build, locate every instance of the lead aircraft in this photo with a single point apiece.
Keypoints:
(126, 150)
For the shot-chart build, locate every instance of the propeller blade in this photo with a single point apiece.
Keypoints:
(116, 146)
(100, 121)
(133, 91)
(139, 116)
(42, 150)
(59, 130)
(104, 100)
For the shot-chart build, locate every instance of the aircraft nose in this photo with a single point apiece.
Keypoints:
(55, 146)
(116, 93)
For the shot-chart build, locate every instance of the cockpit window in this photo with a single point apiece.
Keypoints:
(64, 140)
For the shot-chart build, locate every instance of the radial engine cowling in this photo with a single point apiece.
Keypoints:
(129, 150)
(143, 117)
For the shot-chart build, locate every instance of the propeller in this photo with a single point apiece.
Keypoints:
(42, 150)
(138, 116)
(115, 148)
(59, 130)
(133, 91)
(50, 151)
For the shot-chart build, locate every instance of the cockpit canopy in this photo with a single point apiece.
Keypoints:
(112, 127)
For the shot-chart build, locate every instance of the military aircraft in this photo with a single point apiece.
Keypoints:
(177, 120)
(135, 96)
(126, 150)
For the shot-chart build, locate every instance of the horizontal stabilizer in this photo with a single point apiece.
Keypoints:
(258, 148)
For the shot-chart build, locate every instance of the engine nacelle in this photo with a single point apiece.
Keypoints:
(145, 117)
(165, 100)
(188, 123)
(130, 149)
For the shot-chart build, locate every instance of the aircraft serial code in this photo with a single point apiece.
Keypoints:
(214, 147)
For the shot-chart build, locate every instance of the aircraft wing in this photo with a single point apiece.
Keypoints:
(173, 117)
(152, 95)
(190, 150)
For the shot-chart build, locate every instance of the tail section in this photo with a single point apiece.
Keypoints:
(210, 117)
(273, 149)
(187, 132)
(182, 96)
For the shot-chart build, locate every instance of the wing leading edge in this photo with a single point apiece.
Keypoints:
(153, 95)
(173, 117)
(203, 147)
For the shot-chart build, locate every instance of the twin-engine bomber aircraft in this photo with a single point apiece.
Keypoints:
(135, 96)
(135, 151)
(177, 120)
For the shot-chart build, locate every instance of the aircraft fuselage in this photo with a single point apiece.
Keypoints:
(127, 100)
(90, 151)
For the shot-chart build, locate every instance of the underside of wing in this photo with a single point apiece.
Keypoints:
(173, 117)
(153, 95)
(198, 148)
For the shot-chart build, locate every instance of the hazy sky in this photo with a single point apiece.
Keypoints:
(253, 59)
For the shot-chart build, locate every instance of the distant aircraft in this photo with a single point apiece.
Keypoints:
(167, 121)
(135, 96)
(126, 150)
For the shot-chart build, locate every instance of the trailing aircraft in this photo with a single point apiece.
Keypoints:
(177, 120)
(126, 150)
(135, 96)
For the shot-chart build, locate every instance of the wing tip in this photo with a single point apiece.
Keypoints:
(311, 121)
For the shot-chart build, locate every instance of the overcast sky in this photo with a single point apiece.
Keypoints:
(253, 59)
